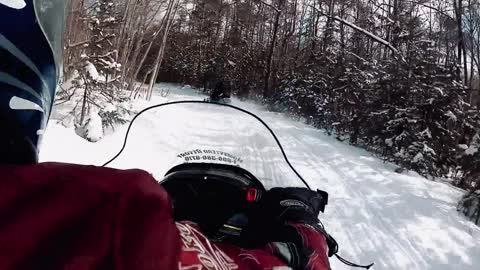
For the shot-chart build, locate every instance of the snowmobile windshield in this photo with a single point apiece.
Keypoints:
(204, 133)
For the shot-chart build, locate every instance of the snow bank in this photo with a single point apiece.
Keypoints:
(93, 128)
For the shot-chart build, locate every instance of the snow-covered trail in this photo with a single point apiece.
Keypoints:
(398, 221)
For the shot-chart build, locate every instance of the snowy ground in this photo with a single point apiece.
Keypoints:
(398, 221)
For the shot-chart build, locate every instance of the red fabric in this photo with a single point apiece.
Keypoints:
(315, 241)
(60, 216)
(201, 253)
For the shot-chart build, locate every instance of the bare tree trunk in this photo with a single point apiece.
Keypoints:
(329, 26)
(139, 64)
(314, 31)
(342, 33)
(84, 102)
(169, 19)
(472, 66)
(125, 18)
(461, 42)
(132, 20)
(268, 72)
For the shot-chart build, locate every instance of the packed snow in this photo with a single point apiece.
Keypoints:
(398, 221)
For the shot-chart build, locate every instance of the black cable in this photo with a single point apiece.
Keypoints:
(348, 263)
(333, 248)
(214, 103)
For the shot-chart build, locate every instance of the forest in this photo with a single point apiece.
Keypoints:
(399, 78)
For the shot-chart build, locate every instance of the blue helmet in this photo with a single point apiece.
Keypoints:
(31, 34)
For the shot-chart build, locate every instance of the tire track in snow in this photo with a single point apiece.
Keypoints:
(415, 229)
(307, 146)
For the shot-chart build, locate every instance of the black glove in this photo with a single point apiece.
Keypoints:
(276, 222)
(280, 205)
(271, 222)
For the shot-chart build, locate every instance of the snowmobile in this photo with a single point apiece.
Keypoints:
(223, 162)
(220, 94)
(217, 161)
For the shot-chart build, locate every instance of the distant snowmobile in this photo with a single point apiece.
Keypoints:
(220, 94)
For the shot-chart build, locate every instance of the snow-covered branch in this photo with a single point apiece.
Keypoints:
(77, 44)
(369, 34)
(269, 5)
(360, 29)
